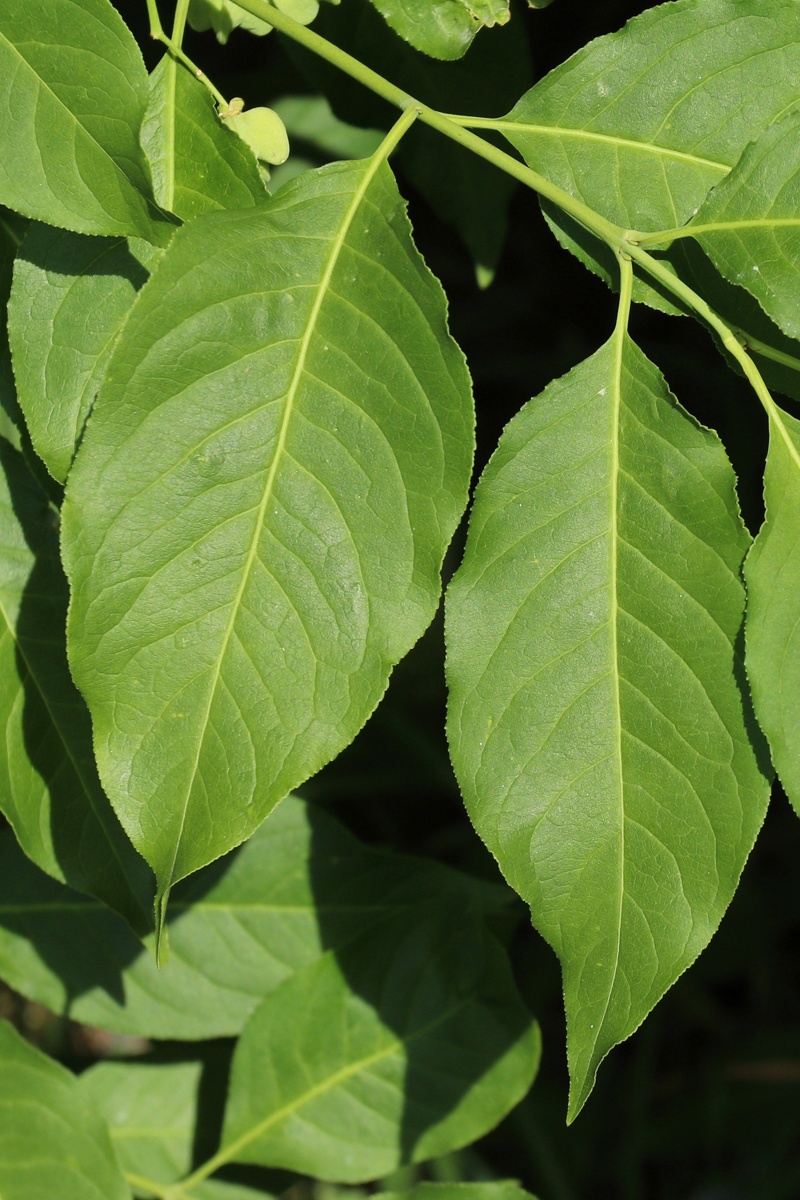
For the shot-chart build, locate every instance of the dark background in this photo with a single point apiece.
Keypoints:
(702, 1103)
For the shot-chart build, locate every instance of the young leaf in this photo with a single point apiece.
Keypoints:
(597, 723)
(772, 572)
(257, 515)
(54, 1142)
(70, 297)
(49, 789)
(403, 1046)
(238, 929)
(750, 224)
(641, 124)
(73, 90)
(197, 165)
(223, 16)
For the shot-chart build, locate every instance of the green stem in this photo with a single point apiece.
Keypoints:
(173, 44)
(767, 351)
(613, 235)
(179, 23)
(730, 341)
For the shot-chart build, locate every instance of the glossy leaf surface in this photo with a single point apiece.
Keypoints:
(49, 789)
(196, 163)
(237, 930)
(596, 717)
(71, 295)
(407, 1044)
(750, 224)
(54, 1142)
(257, 515)
(773, 587)
(441, 28)
(73, 90)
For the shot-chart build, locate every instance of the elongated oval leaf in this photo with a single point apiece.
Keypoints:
(238, 929)
(197, 164)
(71, 296)
(597, 725)
(399, 1048)
(73, 90)
(750, 224)
(257, 515)
(54, 1142)
(49, 789)
(773, 587)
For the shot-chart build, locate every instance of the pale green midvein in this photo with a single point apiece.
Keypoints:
(672, 235)
(619, 338)
(502, 125)
(379, 157)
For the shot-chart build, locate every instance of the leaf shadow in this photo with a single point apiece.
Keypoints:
(438, 980)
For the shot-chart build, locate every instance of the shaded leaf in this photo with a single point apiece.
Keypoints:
(73, 90)
(501, 1189)
(196, 164)
(407, 1044)
(773, 586)
(596, 718)
(70, 297)
(223, 16)
(49, 789)
(54, 1142)
(440, 28)
(256, 519)
(750, 224)
(237, 930)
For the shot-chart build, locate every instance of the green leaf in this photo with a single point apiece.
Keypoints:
(159, 1117)
(151, 1113)
(70, 297)
(263, 131)
(49, 789)
(441, 28)
(237, 930)
(750, 224)
(73, 90)
(501, 1189)
(54, 1142)
(405, 1045)
(773, 586)
(10, 418)
(596, 716)
(197, 165)
(641, 124)
(256, 518)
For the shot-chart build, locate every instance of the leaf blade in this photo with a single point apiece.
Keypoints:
(588, 732)
(72, 75)
(379, 587)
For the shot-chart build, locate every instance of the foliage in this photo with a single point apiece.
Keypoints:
(237, 443)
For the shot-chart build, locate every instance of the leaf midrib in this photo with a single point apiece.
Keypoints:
(283, 431)
(613, 140)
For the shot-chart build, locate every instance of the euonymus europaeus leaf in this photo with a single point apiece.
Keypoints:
(223, 16)
(405, 1045)
(597, 723)
(642, 124)
(196, 163)
(54, 1143)
(73, 90)
(750, 224)
(257, 515)
(440, 28)
(773, 586)
(70, 297)
(238, 929)
(49, 789)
